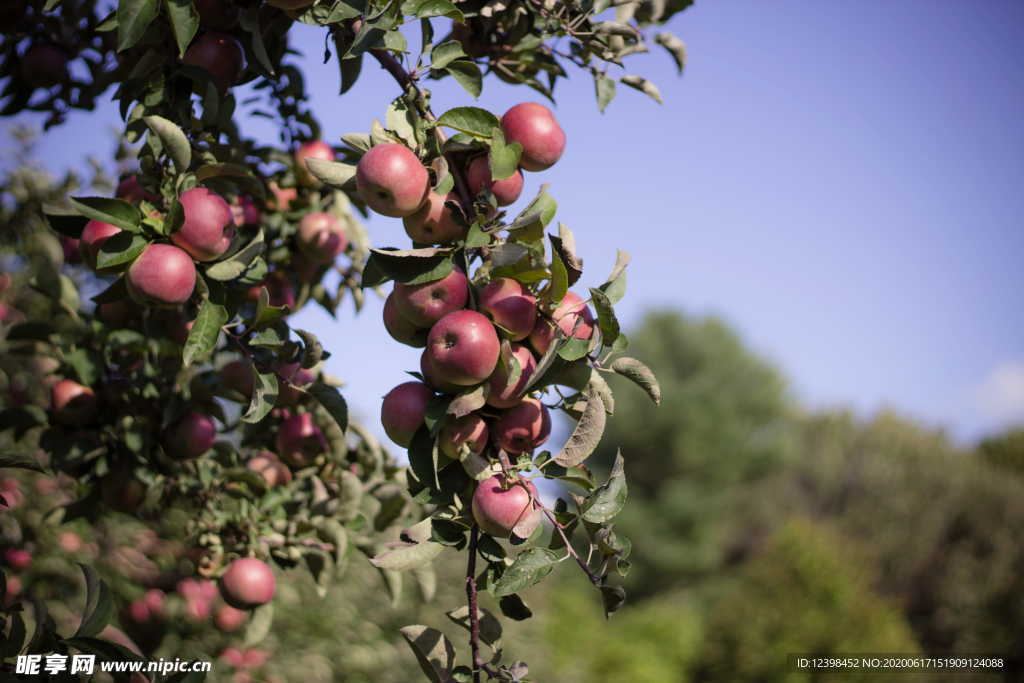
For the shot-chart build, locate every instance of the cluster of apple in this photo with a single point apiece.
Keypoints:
(464, 325)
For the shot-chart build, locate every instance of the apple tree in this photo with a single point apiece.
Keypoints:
(151, 366)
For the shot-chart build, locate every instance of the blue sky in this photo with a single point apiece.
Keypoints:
(841, 181)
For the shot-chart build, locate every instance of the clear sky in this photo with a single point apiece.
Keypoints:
(844, 182)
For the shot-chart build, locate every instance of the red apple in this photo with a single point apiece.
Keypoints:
(504, 394)
(403, 410)
(314, 149)
(220, 55)
(219, 14)
(73, 404)
(44, 65)
(283, 197)
(506, 190)
(209, 225)
(534, 127)
(501, 507)
(392, 181)
(523, 427)
(69, 245)
(238, 376)
(245, 212)
(463, 348)
(11, 491)
(18, 559)
(194, 434)
(299, 440)
(321, 237)
(163, 275)
(469, 431)
(229, 619)
(574, 320)
(131, 190)
(247, 583)
(400, 329)
(94, 234)
(433, 380)
(425, 304)
(292, 374)
(510, 305)
(268, 466)
(69, 541)
(434, 222)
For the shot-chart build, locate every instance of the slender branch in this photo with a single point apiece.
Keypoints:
(474, 617)
(594, 578)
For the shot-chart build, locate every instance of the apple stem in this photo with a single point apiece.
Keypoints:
(474, 617)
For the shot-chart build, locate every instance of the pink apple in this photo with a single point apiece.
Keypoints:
(220, 55)
(268, 466)
(425, 304)
(245, 212)
(94, 234)
(194, 434)
(506, 190)
(523, 427)
(293, 377)
(299, 440)
(131, 190)
(314, 149)
(238, 376)
(502, 507)
(73, 404)
(209, 225)
(400, 329)
(321, 237)
(463, 348)
(504, 394)
(247, 583)
(433, 380)
(163, 275)
(574, 320)
(229, 619)
(392, 181)
(18, 559)
(403, 410)
(534, 127)
(469, 431)
(510, 305)
(434, 222)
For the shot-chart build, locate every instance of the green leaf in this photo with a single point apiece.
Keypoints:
(98, 605)
(530, 223)
(529, 567)
(412, 266)
(565, 246)
(133, 18)
(333, 173)
(615, 287)
(69, 225)
(467, 74)
(606, 319)
(469, 400)
(613, 597)
(604, 89)
(433, 650)
(476, 237)
(639, 374)
(608, 499)
(514, 607)
(238, 174)
(601, 388)
(21, 461)
(202, 339)
(504, 158)
(239, 262)
(119, 249)
(332, 401)
(249, 20)
(175, 142)
(405, 556)
(184, 22)
(643, 85)
(265, 313)
(573, 349)
(424, 9)
(675, 47)
(490, 627)
(470, 120)
(586, 435)
(114, 211)
(264, 396)
(444, 54)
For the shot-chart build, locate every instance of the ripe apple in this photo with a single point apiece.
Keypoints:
(571, 310)
(283, 197)
(506, 190)
(425, 304)
(268, 466)
(433, 380)
(292, 374)
(220, 55)
(18, 559)
(299, 440)
(209, 225)
(247, 583)
(504, 394)
(162, 275)
(120, 490)
(44, 65)
(73, 404)
(218, 14)
(321, 237)
(314, 149)
(510, 305)
(245, 212)
(522, 427)
(434, 222)
(11, 491)
(534, 127)
(501, 507)
(403, 410)
(238, 376)
(229, 619)
(400, 329)
(468, 430)
(194, 434)
(463, 348)
(131, 190)
(392, 181)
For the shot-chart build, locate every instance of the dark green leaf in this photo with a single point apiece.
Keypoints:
(424, 9)
(613, 598)
(21, 461)
(120, 249)
(184, 22)
(333, 173)
(641, 375)
(70, 225)
(433, 651)
(133, 18)
(490, 627)
(503, 158)
(445, 53)
(470, 120)
(202, 339)
(98, 605)
(514, 607)
(412, 266)
(264, 396)
(332, 401)
(239, 262)
(467, 74)
(114, 211)
(529, 567)
(608, 499)
(606, 319)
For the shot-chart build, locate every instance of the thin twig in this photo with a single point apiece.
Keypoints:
(594, 578)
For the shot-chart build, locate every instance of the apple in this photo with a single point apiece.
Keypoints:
(44, 65)
(194, 434)
(534, 127)
(321, 237)
(245, 212)
(69, 541)
(238, 376)
(392, 181)
(218, 14)
(69, 246)
(463, 348)
(571, 310)
(220, 55)
(209, 225)
(177, 325)
(511, 306)
(73, 404)
(11, 491)
(314, 149)
(504, 394)
(433, 380)
(229, 619)
(117, 313)
(425, 304)
(270, 467)
(468, 430)
(279, 288)
(400, 329)
(247, 583)
(120, 490)
(522, 427)
(283, 197)
(292, 374)
(501, 507)
(299, 440)
(506, 190)
(18, 559)
(162, 275)
(434, 222)
(403, 410)
(131, 190)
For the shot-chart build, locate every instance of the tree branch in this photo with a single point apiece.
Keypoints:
(594, 578)
(474, 617)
